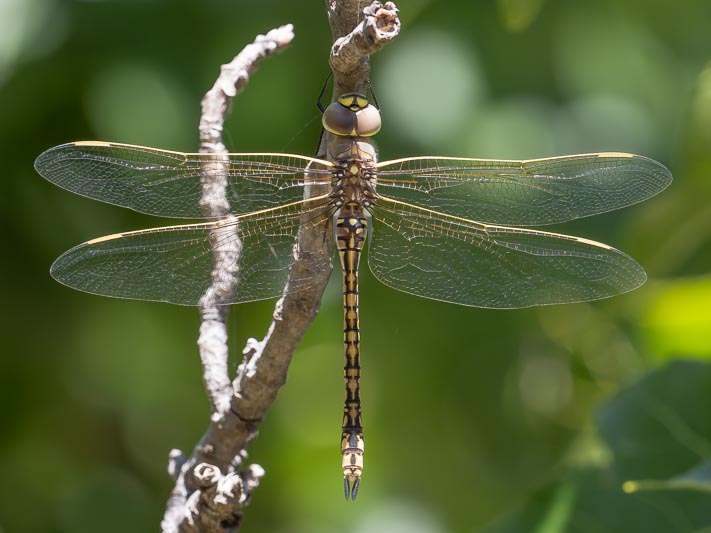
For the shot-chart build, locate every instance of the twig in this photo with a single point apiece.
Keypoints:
(379, 24)
(209, 492)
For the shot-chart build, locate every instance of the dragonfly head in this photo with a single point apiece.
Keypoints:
(351, 116)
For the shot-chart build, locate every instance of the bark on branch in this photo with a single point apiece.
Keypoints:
(378, 24)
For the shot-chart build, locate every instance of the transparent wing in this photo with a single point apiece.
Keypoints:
(163, 183)
(528, 193)
(459, 261)
(175, 264)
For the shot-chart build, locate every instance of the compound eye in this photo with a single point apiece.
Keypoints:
(368, 121)
(339, 120)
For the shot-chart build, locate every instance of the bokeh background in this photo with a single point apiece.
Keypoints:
(495, 421)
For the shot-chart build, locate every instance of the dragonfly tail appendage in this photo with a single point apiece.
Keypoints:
(351, 233)
(352, 446)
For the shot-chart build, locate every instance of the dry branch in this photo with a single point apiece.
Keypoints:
(213, 485)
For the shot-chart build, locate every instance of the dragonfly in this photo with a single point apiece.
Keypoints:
(444, 228)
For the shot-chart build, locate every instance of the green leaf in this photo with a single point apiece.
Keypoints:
(658, 479)
(660, 428)
(677, 320)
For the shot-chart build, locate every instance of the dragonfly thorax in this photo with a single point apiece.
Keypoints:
(350, 148)
(355, 178)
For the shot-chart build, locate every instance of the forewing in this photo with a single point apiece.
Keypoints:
(164, 183)
(175, 264)
(469, 263)
(528, 193)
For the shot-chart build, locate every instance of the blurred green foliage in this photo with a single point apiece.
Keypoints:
(532, 420)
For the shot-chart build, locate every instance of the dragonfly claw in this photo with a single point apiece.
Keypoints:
(351, 483)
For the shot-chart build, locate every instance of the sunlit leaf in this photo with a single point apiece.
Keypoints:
(678, 320)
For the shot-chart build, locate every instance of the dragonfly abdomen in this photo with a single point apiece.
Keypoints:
(351, 232)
